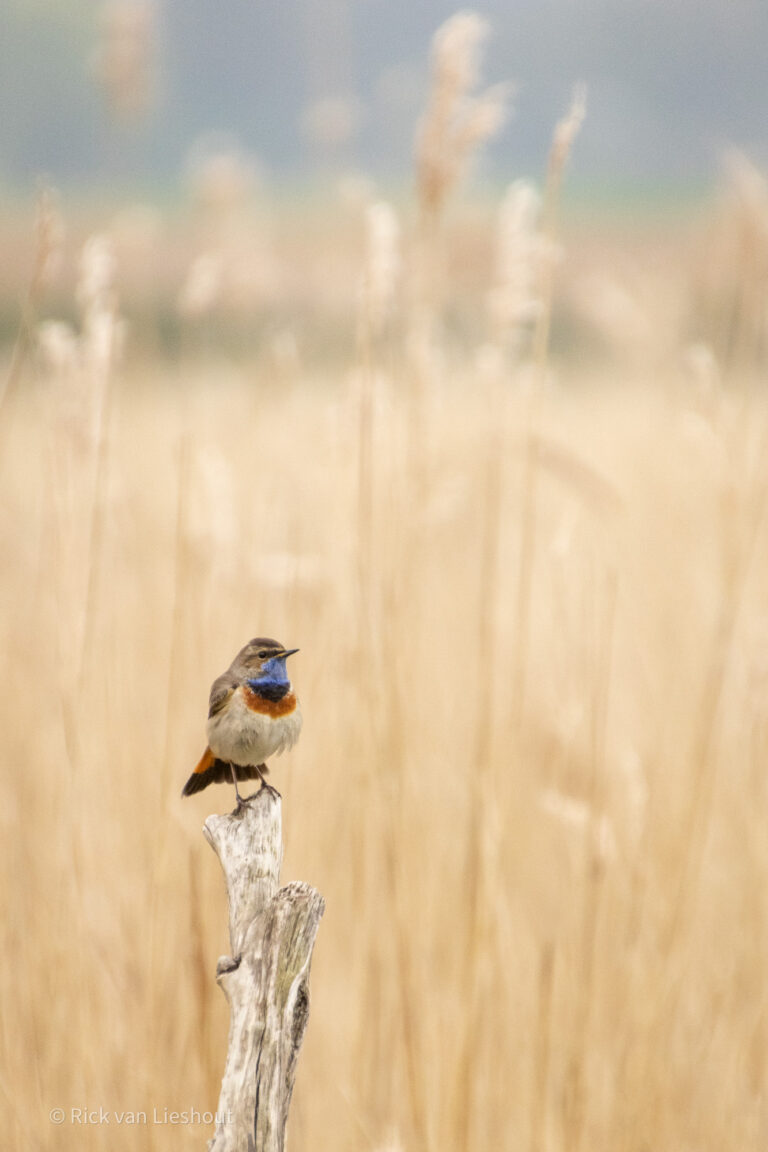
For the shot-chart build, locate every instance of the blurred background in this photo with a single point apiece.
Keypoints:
(433, 344)
(173, 124)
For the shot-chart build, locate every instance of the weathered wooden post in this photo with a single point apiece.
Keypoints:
(266, 979)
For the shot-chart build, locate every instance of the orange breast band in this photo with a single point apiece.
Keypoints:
(273, 708)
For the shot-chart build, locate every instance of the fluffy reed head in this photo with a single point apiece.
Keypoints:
(382, 263)
(514, 301)
(124, 59)
(455, 122)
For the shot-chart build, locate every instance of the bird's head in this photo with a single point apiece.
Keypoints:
(264, 662)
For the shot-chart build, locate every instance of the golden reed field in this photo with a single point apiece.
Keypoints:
(513, 513)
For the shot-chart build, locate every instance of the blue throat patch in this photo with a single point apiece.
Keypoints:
(273, 683)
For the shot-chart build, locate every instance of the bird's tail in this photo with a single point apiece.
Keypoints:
(211, 770)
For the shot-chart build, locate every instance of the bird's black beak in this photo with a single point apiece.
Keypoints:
(288, 652)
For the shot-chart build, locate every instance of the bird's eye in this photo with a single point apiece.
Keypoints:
(263, 655)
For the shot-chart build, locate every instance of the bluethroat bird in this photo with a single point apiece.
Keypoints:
(253, 714)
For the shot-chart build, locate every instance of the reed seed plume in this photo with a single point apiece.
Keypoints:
(727, 309)
(58, 346)
(102, 331)
(124, 59)
(514, 302)
(232, 270)
(96, 349)
(456, 120)
(566, 131)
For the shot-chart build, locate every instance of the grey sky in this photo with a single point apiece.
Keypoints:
(672, 84)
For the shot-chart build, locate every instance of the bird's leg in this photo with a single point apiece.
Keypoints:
(234, 781)
(261, 769)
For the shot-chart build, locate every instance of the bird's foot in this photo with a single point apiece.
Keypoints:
(259, 792)
(263, 786)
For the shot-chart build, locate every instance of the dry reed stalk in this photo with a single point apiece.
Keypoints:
(479, 883)
(100, 346)
(576, 1102)
(542, 1052)
(382, 714)
(377, 293)
(81, 365)
(456, 122)
(737, 552)
(525, 574)
(382, 575)
(182, 562)
(565, 134)
(391, 723)
(381, 271)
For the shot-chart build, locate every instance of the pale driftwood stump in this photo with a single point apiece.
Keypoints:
(266, 979)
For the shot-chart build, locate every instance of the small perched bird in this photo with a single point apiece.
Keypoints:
(253, 714)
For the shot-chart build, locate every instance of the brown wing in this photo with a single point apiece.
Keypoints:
(221, 690)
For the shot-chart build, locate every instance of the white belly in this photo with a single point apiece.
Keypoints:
(239, 735)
